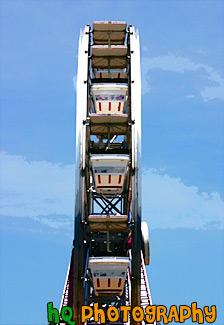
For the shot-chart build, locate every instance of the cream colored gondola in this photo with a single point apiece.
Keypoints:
(108, 274)
(109, 98)
(109, 172)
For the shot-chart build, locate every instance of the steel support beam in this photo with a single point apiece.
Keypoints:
(135, 85)
(81, 115)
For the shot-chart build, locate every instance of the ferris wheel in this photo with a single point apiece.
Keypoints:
(111, 244)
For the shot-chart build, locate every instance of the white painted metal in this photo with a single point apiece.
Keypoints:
(136, 100)
(145, 241)
(135, 84)
(81, 94)
(81, 113)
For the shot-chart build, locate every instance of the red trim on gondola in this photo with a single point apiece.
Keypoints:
(100, 107)
(119, 180)
(119, 75)
(119, 283)
(99, 179)
(119, 106)
(100, 74)
(108, 282)
(109, 179)
(109, 106)
(98, 282)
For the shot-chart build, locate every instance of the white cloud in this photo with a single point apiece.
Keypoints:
(213, 92)
(56, 221)
(35, 188)
(44, 192)
(180, 64)
(169, 203)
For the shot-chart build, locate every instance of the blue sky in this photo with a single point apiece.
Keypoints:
(182, 147)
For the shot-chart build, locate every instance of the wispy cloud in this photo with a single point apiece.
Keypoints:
(35, 188)
(180, 64)
(44, 192)
(169, 203)
(56, 221)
